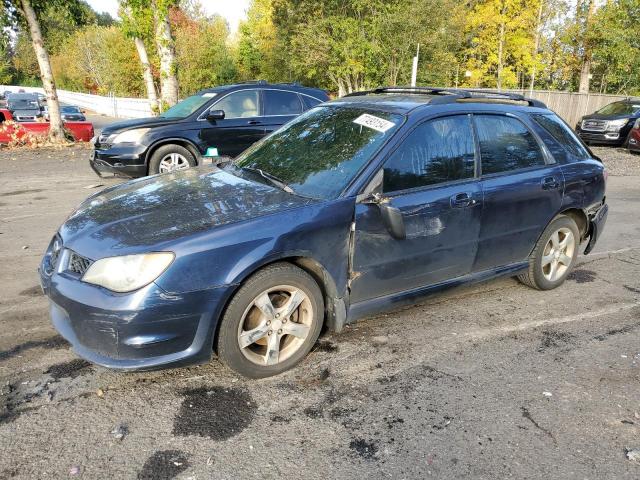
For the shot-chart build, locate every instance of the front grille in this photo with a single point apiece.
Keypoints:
(594, 125)
(78, 264)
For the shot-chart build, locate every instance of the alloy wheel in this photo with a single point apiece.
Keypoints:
(558, 254)
(275, 325)
(173, 161)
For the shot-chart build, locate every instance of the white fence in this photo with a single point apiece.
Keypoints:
(109, 105)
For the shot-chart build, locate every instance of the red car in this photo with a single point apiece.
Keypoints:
(11, 131)
(634, 137)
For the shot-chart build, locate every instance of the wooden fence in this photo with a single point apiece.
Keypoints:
(571, 106)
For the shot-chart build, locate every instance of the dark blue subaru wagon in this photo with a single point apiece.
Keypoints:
(360, 204)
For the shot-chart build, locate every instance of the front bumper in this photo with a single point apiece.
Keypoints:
(143, 330)
(597, 221)
(604, 138)
(123, 160)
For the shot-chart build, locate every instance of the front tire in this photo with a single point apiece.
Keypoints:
(554, 255)
(272, 322)
(170, 158)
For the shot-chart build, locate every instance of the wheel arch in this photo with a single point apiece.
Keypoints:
(580, 217)
(334, 305)
(183, 142)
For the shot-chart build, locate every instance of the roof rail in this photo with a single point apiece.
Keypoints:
(451, 95)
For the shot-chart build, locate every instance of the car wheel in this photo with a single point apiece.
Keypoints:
(169, 158)
(272, 322)
(554, 255)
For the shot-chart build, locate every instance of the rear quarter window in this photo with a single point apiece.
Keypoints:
(562, 134)
(309, 102)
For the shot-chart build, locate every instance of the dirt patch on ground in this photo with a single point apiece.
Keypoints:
(164, 465)
(49, 343)
(218, 413)
(582, 276)
(73, 369)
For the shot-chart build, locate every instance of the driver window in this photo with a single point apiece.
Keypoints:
(438, 151)
(242, 104)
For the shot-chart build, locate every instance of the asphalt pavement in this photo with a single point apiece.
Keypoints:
(491, 381)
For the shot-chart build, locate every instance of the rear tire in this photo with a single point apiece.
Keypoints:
(554, 255)
(272, 322)
(168, 155)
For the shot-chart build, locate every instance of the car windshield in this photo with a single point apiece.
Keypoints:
(23, 103)
(70, 109)
(320, 152)
(619, 108)
(187, 106)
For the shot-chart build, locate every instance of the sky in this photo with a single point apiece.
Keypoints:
(232, 10)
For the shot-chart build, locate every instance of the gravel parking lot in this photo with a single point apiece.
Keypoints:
(490, 381)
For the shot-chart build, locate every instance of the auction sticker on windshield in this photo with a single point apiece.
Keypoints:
(373, 122)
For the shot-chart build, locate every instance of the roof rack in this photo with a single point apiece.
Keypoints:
(451, 95)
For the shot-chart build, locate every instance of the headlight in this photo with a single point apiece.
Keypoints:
(130, 136)
(637, 124)
(616, 125)
(129, 272)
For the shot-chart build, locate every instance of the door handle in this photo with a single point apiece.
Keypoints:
(254, 122)
(550, 183)
(462, 200)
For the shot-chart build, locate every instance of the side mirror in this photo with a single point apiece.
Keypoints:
(392, 218)
(213, 115)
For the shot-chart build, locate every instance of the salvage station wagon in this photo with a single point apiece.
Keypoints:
(361, 204)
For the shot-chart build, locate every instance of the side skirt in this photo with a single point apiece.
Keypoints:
(401, 299)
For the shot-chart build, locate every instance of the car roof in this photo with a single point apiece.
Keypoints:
(262, 84)
(406, 99)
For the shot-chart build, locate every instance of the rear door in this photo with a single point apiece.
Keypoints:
(280, 106)
(241, 127)
(522, 190)
(431, 179)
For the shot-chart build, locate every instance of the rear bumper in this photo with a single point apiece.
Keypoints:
(143, 330)
(597, 221)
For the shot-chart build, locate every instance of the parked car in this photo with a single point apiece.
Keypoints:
(634, 137)
(358, 205)
(220, 121)
(81, 131)
(69, 113)
(611, 124)
(24, 107)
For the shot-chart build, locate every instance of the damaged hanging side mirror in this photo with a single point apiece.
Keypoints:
(391, 216)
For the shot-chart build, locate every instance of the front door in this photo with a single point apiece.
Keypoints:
(241, 127)
(431, 179)
(522, 189)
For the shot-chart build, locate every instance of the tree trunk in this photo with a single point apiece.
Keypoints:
(585, 72)
(56, 128)
(536, 46)
(501, 46)
(585, 69)
(147, 75)
(167, 53)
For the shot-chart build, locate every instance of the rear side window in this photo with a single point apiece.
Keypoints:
(277, 102)
(561, 133)
(437, 151)
(506, 144)
(309, 102)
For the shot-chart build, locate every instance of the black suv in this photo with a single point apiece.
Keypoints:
(220, 121)
(611, 124)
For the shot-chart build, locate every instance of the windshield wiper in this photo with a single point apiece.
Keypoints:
(272, 179)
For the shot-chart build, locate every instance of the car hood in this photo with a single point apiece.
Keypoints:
(137, 123)
(152, 212)
(600, 116)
